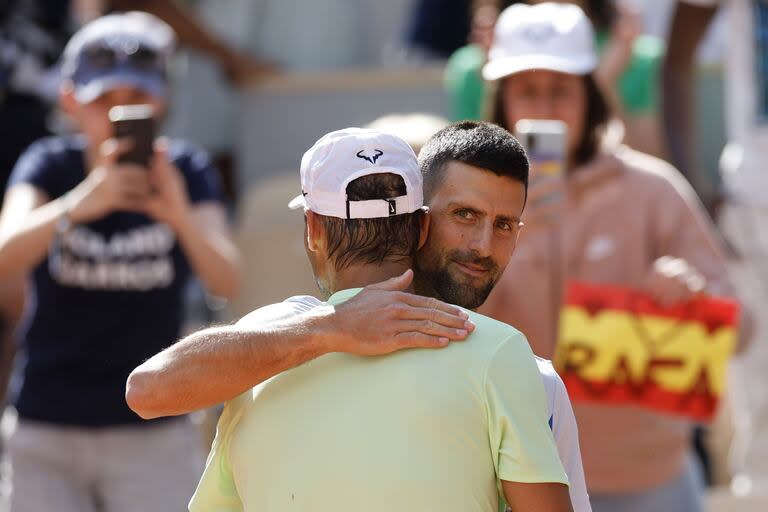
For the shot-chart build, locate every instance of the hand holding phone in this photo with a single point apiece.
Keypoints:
(137, 123)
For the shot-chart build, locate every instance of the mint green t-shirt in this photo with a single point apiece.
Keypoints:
(414, 430)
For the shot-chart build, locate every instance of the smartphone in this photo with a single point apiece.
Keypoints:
(136, 122)
(544, 141)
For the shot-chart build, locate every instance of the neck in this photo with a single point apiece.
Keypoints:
(357, 276)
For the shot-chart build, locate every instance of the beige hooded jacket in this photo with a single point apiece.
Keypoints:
(622, 211)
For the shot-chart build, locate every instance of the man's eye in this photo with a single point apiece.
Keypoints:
(464, 214)
(506, 226)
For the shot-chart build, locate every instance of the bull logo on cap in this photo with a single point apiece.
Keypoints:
(372, 159)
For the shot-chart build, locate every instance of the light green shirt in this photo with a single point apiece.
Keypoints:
(414, 430)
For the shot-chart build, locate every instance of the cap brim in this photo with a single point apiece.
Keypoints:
(153, 85)
(505, 66)
(297, 202)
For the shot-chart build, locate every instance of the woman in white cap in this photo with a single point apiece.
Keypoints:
(624, 218)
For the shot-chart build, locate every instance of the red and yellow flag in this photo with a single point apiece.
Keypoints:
(618, 346)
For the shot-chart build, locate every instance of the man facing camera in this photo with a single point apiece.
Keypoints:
(452, 429)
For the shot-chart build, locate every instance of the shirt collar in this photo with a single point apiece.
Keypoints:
(343, 296)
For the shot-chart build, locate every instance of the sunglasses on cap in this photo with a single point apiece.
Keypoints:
(103, 57)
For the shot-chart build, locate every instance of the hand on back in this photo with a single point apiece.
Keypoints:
(383, 318)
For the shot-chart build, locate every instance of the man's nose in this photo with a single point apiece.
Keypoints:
(482, 240)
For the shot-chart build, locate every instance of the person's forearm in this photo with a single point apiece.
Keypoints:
(11, 311)
(220, 363)
(688, 26)
(24, 246)
(213, 257)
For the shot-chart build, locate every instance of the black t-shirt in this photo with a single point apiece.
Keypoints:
(107, 296)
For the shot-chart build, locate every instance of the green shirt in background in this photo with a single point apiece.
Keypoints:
(638, 85)
(413, 430)
(464, 84)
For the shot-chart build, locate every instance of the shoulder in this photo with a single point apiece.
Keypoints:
(651, 174)
(50, 163)
(466, 58)
(54, 149)
(553, 383)
(648, 49)
(548, 373)
(491, 335)
(188, 157)
(280, 311)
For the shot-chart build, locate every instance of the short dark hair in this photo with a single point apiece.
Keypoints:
(598, 114)
(371, 241)
(476, 143)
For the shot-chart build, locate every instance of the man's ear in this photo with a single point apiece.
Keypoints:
(426, 222)
(315, 231)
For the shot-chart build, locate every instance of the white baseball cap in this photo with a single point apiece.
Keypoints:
(120, 49)
(342, 156)
(549, 36)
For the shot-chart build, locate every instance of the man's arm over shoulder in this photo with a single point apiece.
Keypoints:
(689, 23)
(526, 458)
(217, 364)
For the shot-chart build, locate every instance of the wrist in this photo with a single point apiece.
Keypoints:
(323, 331)
(181, 223)
(68, 212)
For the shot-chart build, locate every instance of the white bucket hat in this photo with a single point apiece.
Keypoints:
(549, 36)
(345, 155)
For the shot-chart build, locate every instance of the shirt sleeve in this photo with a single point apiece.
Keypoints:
(36, 166)
(566, 435)
(521, 440)
(200, 175)
(217, 490)
(684, 230)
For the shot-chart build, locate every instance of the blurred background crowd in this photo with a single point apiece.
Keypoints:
(255, 82)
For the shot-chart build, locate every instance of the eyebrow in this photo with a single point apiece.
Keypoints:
(460, 206)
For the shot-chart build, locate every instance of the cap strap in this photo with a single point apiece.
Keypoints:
(378, 208)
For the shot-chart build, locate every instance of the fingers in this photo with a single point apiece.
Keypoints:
(431, 328)
(111, 149)
(673, 281)
(398, 283)
(419, 340)
(436, 316)
(431, 303)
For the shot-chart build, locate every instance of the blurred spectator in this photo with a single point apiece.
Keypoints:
(625, 218)
(743, 205)
(109, 247)
(463, 81)
(438, 28)
(627, 72)
(32, 36)
(239, 67)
